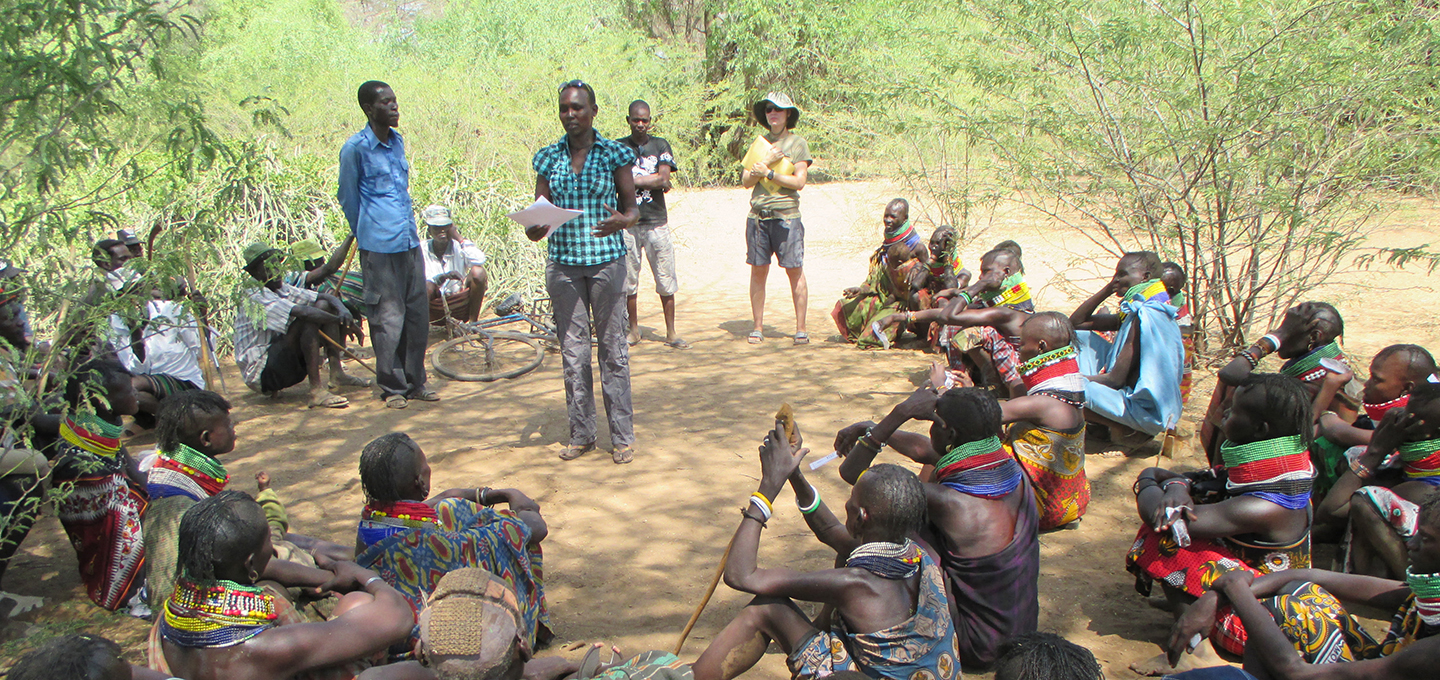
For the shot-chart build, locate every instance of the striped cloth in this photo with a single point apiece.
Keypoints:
(186, 472)
(1278, 470)
(1055, 374)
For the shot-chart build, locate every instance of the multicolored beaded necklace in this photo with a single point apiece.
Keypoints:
(980, 468)
(904, 233)
(1277, 470)
(892, 561)
(218, 614)
(89, 432)
(1378, 411)
(1055, 374)
(1427, 595)
(1154, 289)
(1422, 460)
(1012, 291)
(1308, 368)
(410, 514)
(949, 258)
(186, 472)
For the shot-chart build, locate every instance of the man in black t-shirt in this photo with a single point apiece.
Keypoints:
(651, 234)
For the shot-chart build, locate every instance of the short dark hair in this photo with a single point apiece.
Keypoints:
(1055, 328)
(182, 416)
(580, 84)
(1419, 363)
(95, 373)
(220, 531)
(1422, 394)
(972, 413)
(1008, 255)
(386, 465)
(69, 657)
(100, 252)
(369, 91)
(637, 103)
(896, 499)
(1046, 656)
(1288, 407)
(1147, 258)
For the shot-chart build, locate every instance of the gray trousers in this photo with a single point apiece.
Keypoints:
(577, 293)
(399, 315)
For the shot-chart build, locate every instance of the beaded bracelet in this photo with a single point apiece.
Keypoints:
(1360, 470)
(967, 297)
(814, 505)
(1249, 358)
(1181, 482)
(745, 513)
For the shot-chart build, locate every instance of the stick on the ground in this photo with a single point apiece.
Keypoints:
(719, 571)
(347, 352)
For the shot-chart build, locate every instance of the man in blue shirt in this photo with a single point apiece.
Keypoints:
(375, 195)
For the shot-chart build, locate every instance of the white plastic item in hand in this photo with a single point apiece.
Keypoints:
(879, 334)
(815, 464)
(1178, 530)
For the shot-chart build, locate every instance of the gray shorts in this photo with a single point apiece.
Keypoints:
(654, 244)
(785, 238)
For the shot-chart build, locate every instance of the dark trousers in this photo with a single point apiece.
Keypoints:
(398, 315)
(578, 294)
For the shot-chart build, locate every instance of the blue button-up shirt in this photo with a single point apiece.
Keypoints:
(375, 192)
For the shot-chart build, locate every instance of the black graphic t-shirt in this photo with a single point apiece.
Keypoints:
(648, 159)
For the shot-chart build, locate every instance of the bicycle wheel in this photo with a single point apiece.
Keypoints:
(484, 357)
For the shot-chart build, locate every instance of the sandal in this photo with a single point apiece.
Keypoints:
(755, 337)
(623, 454)
(396, 401)
(347, 380)
(679, 343)
(802, 338)
(426, 395)
(327, 399)
(573, 451)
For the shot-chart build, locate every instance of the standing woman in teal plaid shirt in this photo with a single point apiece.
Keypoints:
(585, 271)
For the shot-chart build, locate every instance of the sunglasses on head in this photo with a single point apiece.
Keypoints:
(575, 83)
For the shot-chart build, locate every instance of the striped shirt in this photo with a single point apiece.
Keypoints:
(264, 315)
(589, 192)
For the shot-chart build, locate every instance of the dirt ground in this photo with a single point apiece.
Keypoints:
(632, 548)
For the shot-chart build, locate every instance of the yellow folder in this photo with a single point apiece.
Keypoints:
(760, 149)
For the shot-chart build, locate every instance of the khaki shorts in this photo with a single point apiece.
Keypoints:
(655, 244)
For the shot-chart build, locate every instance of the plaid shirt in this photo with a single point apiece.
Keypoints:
(571, 243)
(271, 310)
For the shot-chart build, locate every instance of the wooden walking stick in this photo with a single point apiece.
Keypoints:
(213, 376)
(786, 417)
(347, 352)
(350, 257)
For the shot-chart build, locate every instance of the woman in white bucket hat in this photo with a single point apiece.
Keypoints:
(773, 225)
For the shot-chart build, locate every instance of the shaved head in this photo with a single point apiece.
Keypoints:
(894, 499)
(1053, 328)
(1419, 364)
(1003, 257)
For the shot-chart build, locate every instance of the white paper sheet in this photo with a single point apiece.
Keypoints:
(815, 464)
(541, 212)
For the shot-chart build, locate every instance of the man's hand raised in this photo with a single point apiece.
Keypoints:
(778, 459)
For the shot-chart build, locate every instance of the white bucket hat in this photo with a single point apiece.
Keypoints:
(781, 101)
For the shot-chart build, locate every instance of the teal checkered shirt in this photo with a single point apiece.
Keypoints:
(589, 192)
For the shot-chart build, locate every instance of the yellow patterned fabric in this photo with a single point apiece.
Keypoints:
(1055, 463)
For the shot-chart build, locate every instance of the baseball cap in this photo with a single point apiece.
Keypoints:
(127, 237)
(436, 216)
(255, 251)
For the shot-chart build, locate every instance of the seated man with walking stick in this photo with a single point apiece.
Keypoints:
(280, 331)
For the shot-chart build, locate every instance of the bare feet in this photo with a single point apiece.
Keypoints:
(262, 480)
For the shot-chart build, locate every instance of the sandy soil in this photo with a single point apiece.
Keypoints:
(631, 548)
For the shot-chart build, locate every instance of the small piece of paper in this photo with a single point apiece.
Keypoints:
(880, 334)
(542, 211)
(1332, 365)
(815, 464)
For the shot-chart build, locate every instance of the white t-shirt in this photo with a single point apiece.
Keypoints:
(172, 343)
(462, 256)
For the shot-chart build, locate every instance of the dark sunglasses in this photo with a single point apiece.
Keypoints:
(771, 109)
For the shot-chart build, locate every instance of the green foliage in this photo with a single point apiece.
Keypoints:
(1244, 140)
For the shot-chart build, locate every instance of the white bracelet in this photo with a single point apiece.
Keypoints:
(763, 510)
(815, 503)
(1274, 341)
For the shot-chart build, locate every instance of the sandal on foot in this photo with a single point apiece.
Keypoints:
(623, 454)
(573, 451)
(347, 380)
(802, 338)
(755, 337)
(678, 343)
(396, 401)
(327, 399)
(426, 395)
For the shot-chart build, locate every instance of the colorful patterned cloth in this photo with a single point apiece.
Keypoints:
(1055, 374)
(1055, 463)
(922, 647)
(1004, 351)
(1140, 293)
(1277, 470)
(413, 559)
(854, 315)
(981, 468)
(653, 665)
(101, 513)
(1422, 461)
(1316, 624)
(1402, 515)
(379, 521)
(996, 597)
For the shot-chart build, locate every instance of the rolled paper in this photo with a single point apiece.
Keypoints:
(815, 464)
